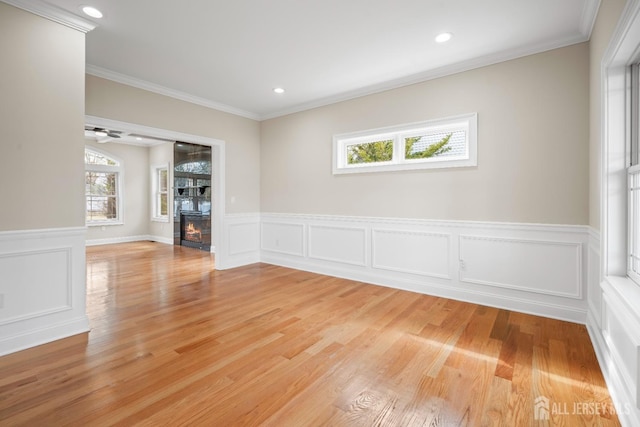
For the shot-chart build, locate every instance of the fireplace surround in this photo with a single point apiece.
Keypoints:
(192, 195)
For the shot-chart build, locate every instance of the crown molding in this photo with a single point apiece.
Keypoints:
(447, 70)
(162, 90)
(587, 21)
(588, 18)
(54, 14)
(369, 90)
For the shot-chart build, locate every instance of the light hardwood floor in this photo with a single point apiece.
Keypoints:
(174, 342)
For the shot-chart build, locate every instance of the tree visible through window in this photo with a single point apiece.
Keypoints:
(413, 150)
(449, 142)
(370, 152)
(102, 188)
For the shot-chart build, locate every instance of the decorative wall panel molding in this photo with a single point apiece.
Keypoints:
(282, 237)
(43, 287)
(338, 244)
(241, 242)
(532, 268)
(414, 252)
(544, 267)
(25, 297)
(616, 340)
(243, 237)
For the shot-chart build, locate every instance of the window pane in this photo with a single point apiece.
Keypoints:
(101, 208)
(163, 205)
(181, 182)
(162, 178)
(100, 183)
(94, 158)
(370, 152)
(442, 144)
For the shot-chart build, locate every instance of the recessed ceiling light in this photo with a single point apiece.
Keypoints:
(92, 12)
(101, 133)
(443, 37)
(278, 90)
(138, 138)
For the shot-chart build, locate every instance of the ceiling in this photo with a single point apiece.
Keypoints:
(231, 54)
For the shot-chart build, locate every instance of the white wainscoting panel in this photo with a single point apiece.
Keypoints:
(25, 297)
(414, 252)
(544, 267)
(282, 237)
(616, 341)
(241, 241)
(613, 323)
(532, 268)
(338, 244)
(42, 287)
(242, 238)
(623, 343)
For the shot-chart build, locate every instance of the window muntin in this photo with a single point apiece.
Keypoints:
(102, 189)
(440, 143)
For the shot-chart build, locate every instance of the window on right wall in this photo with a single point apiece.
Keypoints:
(441, 143)
(633, 171)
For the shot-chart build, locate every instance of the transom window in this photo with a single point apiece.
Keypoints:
(102, 188)
(450, 142)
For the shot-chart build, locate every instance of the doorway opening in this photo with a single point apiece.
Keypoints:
(214, 207)
(192, 195)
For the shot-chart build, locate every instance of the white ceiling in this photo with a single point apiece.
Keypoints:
(230, 54)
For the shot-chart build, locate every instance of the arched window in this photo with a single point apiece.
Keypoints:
(103, 176)
(202, 167)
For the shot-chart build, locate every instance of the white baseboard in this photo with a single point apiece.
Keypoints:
(43, 334)
(129, 239)
(160, 239)
(43, 287)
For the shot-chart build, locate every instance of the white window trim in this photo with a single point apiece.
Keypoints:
(632, 225)
(154, 193)
(119, 170)
(467, 122)
(614, 204)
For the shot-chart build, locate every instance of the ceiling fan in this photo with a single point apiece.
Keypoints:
(102, 132)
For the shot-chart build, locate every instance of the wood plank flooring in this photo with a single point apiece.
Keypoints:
(174, 342)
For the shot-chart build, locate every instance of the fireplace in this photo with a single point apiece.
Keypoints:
(192, 195)
(195, 230)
